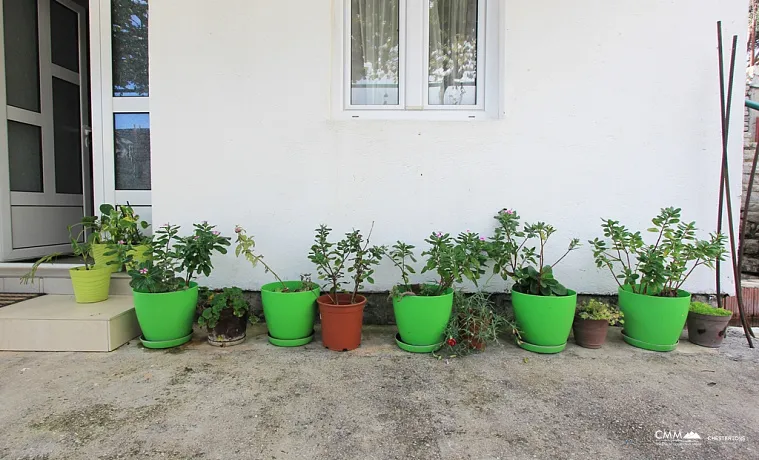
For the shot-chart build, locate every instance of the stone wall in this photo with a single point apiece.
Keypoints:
(751, 254)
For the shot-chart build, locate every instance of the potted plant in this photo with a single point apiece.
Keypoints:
(91, 283)
(422, 311)
(342, 312)
(164, 300)
(707, 325)
(117, 237)
(473, 324)
(289, 306)
(543, 307)
(225, 314)
(650, 276)
(592, 322)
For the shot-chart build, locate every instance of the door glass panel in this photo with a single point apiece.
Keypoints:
(374, 52)
(130, 47)
(67, 129)
(22, 71)
(64, 29)
(453, 52)
(25, 157)
(132, 147)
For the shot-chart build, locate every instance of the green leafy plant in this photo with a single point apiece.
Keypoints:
(596, 310)
(352, 256)
(211, 304)
(706, 309)
(474, 323)
(120, 229)
(452, 259)
(661, 268)
(526, 265)
(246, 246)
(173, 255)
(79, 245)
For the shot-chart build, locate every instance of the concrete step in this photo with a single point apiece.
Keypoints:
(52, 279)
(58, 323)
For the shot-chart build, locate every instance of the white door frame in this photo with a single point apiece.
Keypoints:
(44, 120)
(104, 164)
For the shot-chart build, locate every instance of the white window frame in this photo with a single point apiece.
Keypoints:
(413, 67)
(104, 155)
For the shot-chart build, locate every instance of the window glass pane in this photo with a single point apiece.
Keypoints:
(22, 72)
(64, 30)
(130, 47)
(132, 147)
(453, 52)
(374, 52)
(67, 131)
(25, 157)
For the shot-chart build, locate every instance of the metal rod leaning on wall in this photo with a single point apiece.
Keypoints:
(724, 191)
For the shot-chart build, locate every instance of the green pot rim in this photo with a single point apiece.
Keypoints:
(193, 285)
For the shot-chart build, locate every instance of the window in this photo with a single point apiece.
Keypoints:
(391, 67)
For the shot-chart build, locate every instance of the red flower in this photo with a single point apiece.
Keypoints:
(452, 341)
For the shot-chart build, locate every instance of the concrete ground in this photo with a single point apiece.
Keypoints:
(256, 401)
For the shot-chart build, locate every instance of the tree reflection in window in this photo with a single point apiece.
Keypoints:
(129, 19)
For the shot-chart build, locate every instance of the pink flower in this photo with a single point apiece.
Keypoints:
(509, 211)
(216, 233)
(467, 230)
(121, 242)
(238, 229)
(482, 238)
(439, 234)
(195, 237)
(143, 270)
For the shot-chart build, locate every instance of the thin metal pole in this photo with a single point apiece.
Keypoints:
(725, 183)
(722, 171)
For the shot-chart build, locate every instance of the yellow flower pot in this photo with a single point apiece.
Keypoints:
(91, 285)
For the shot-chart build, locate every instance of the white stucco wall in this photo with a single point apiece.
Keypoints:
(611, 111)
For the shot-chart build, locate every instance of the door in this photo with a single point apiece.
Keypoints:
(45, 178)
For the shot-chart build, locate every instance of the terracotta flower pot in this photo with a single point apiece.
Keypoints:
(590, 333)
(707, 330)
(341, 323)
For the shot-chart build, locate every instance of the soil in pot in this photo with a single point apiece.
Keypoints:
(707, 330)
(229, 330)
(341, 322)
(590, 333)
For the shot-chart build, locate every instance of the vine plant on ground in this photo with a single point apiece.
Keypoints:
(452, 259)
(246, 246)
(352, 256)
(212, 302)
(661, 268)
(514, 258)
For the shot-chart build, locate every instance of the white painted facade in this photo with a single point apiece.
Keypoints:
(607, 111)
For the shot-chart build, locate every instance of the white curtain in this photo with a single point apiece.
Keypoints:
(453, 52)
(374, 52)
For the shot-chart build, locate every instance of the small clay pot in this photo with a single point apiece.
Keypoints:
(590, 333)
(707, 330)
(229, 330)
(341, 322)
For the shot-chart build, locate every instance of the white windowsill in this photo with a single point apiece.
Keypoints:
(421, 115)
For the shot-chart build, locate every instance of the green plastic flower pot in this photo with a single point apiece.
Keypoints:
(289, 315)
(91, 285)
(651, 322)
(140, 254)
(166, 316)
(102, 260)
(544, 322)
(422, 320)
